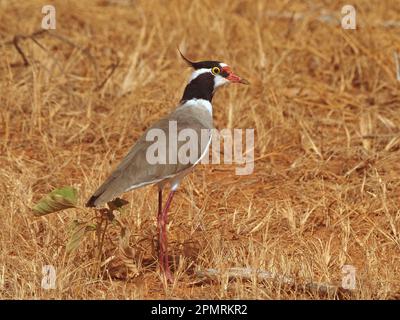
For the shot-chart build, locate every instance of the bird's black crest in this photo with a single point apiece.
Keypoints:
(201, 64)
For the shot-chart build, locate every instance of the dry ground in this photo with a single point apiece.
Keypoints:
(324, 103)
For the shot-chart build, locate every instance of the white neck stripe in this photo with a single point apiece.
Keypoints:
(198, 72)
(198, 102)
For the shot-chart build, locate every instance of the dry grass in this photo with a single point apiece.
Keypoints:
(324, 103)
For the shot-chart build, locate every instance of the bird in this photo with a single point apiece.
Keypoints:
(194, 112)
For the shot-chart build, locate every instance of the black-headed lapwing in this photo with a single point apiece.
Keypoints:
(136, 170)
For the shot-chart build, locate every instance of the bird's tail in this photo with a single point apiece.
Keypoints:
(92, 201)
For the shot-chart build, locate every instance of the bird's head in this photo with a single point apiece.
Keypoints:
(220, 73)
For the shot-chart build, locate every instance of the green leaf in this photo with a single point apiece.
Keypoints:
(91, 227)
(56, 200)
(79, 230)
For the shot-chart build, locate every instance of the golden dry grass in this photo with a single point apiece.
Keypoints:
(324, 103)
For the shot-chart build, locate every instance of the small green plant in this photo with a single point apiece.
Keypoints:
(66, 198)
(57, 200)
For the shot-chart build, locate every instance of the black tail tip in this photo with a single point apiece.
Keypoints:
(91, 201)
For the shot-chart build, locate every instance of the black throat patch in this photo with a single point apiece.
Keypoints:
(201, 87)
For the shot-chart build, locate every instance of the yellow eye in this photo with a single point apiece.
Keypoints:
(215, 70)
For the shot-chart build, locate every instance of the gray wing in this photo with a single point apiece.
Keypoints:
(135, 171)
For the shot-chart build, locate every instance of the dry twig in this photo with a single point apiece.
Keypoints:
(262, 275)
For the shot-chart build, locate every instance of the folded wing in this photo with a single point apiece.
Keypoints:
(135, 171)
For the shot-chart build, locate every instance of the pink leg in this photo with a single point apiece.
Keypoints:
(162, 238)
(160, 228)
